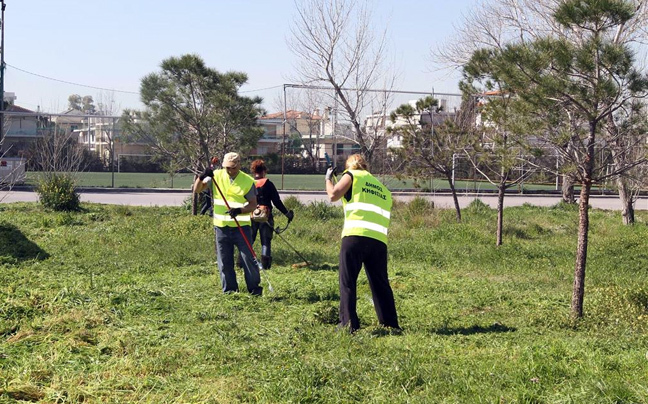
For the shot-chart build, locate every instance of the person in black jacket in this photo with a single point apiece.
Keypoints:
(206, 194)
(267, 196)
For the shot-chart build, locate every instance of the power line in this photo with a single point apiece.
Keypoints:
(69, 82)
(112, 89)
(261, 89)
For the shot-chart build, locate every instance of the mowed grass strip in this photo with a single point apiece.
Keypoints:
(304, 182)
(123, 304)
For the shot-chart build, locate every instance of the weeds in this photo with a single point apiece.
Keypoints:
(123, 304)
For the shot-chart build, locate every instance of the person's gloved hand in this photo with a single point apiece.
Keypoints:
(234, 212)
(207, 173)
(330, 172)
(290, 214)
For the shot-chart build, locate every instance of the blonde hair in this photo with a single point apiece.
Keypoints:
(356, 162)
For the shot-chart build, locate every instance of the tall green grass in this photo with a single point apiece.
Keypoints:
(123, 304)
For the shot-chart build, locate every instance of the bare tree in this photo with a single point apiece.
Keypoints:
(626, 135)
(59, 151)
(60, 158)
(11, 175)
(496, 23)
(106, 126)
(336, 45)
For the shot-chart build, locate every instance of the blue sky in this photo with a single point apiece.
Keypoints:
(112, 44)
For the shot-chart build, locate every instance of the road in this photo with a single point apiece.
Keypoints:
(175, 198)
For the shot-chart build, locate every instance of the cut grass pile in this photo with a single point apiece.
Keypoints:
(123, 304)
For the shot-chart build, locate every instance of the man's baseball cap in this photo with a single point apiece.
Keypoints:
(231, 160)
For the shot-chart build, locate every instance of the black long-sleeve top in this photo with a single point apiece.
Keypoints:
(268, 195)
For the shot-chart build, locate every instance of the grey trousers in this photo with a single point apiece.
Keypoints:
(226, 238)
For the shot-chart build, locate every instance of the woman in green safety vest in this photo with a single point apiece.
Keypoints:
(367, 204)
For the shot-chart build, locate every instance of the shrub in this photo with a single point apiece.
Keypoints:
(293, 203)
(420, 205)
(419, 212)
(478, 206)
(57, 192)
(324, 211)
(564, 206)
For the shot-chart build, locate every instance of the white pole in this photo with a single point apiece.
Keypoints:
(557, 174)
(454, 155)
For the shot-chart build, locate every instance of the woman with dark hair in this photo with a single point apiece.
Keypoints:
(267, 196)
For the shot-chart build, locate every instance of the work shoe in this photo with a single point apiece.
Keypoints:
(345, 328)
(393, 330)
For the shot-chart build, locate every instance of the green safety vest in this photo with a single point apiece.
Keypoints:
(367, 213)
(234, 192)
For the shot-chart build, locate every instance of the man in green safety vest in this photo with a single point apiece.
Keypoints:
(239, 192)
(367, 204)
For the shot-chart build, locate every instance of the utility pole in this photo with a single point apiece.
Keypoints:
(283, 136)
(2, 70)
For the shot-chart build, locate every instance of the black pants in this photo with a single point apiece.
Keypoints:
(264, 230)
(207, 203)
(355, 251)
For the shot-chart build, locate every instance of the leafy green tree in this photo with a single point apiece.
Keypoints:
(588, 77)
(431, 139)
(88, 106)
(84, 104)
(74, 102)
(194, 112)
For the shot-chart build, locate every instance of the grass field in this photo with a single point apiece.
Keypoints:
(122, 304)
(290, 181)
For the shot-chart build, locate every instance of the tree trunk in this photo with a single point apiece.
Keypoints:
(454, 197)
(627, 202)
(620, 156)
(581, 254)
(194, 204)
(568, 189)
(578, 292)
(194, 200)
(500, 212)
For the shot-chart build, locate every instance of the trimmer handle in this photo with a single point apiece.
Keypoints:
(328, 160)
